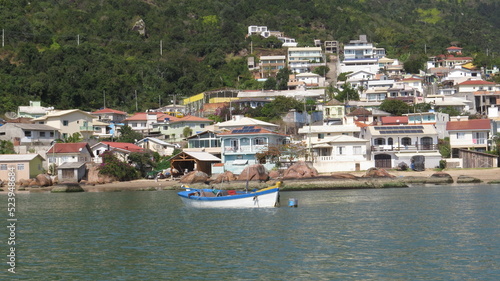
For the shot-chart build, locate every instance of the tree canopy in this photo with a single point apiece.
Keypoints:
(90, 54)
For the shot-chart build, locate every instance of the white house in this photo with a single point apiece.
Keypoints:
(163, 148)
(469, 134)
(341, 153)
(304, 59)
(393, 144)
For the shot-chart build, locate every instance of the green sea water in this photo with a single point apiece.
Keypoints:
(417, 233)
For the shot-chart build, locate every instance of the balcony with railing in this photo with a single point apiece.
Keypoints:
(404, 148)
(244, 149)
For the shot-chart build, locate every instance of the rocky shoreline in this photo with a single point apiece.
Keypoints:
(336, 181)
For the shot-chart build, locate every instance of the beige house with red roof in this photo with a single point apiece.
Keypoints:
(469, 134)
(60, 153)
(120, 149)
(109, 115)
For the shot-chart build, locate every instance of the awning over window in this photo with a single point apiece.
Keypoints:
(240, 162)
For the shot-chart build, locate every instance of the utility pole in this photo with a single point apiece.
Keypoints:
(136, 108)
(104, 93)
(161, 48)
(3, 38)
(78, 40)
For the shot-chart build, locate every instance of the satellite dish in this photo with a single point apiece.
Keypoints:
(10, 115)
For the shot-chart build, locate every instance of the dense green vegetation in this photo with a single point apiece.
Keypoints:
(85, 54)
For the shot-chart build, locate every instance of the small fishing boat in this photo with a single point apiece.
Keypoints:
(218, 198)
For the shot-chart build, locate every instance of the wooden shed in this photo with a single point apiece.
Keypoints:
(71, 171)
(476, 159)
(191, 161)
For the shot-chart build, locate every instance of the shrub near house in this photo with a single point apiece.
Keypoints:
(113, 167)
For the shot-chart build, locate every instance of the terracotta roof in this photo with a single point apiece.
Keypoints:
(476, 82)
(412, 79)
(67, 147)
(474, 124)
(453, 48)
(361, 111)
(191, 118)
(124, 145)
(109, 110)
(386, 120)
(459, 58)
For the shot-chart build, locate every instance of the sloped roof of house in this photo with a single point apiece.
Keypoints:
(411, 79)
(18, 157)
(245, 121)
(202, 156)
(360, 111)
(334, 102)
(69, 147)
(469, 125)
(476, 82)
(155, 140)
(31, 127)
(109, 110)
(71, 165)
(59, 113)
(123, 145)
(315, 129)
(453, 48)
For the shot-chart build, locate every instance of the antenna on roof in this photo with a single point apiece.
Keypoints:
(10, 115)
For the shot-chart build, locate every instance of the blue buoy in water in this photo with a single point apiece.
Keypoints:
(292, 202)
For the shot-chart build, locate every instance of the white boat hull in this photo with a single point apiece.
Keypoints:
(267, 199)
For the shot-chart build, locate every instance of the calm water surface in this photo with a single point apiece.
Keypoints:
(418, 233)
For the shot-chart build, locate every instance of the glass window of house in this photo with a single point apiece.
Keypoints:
(20, 167)
(357, 150)
(460, 136)
(65, 122)
(3, 167)
(27, 134)
(42, 134)
(259, 141)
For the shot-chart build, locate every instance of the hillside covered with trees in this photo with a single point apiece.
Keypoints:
(84, 54)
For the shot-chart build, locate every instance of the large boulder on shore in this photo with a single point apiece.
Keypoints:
(468, 179)
(443, 177)
(300, 170)
(194, 177)
(227, 176)
(67, 187)
(255, 172)
(377, 173)
(43, 180)
(275, 174)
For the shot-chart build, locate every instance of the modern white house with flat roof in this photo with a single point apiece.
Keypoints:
(305, 59)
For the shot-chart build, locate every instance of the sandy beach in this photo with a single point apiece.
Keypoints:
(485, 174)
